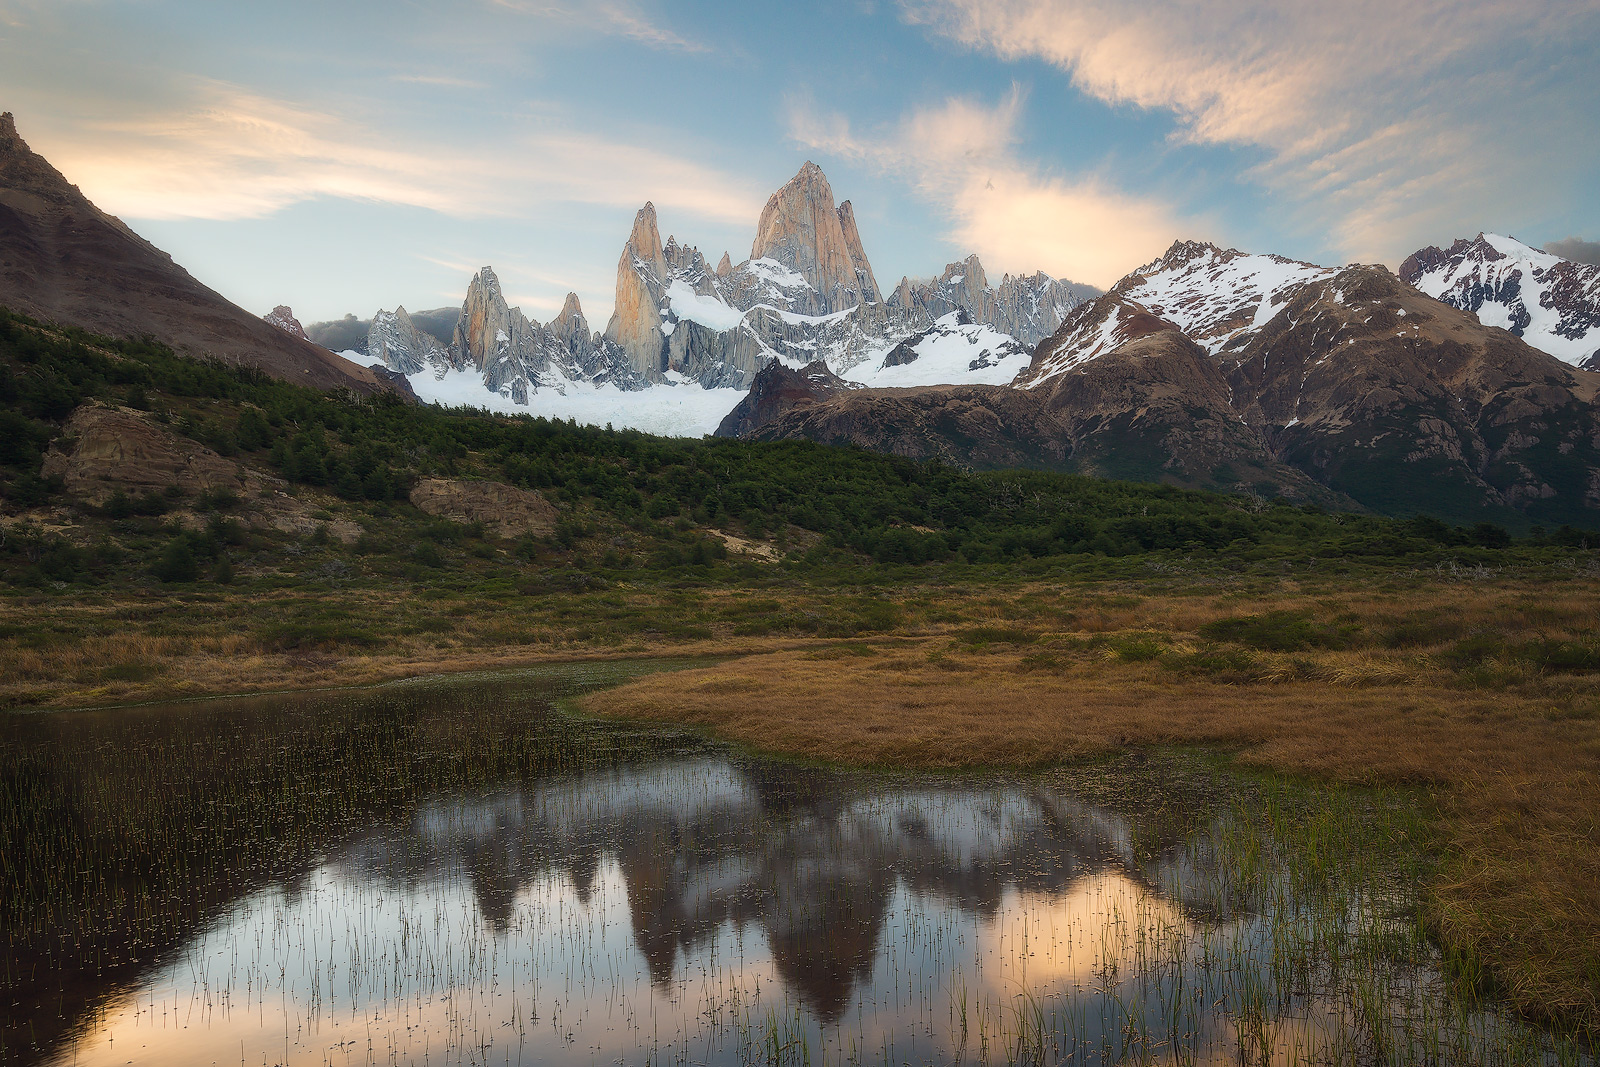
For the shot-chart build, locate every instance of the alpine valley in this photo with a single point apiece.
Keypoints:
(1460, 388)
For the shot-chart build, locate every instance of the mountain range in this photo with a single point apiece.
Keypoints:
(1214, 368)
(1460, 388)
(806, 292)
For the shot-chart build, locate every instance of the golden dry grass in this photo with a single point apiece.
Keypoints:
(1020, 675)
(1517, 769)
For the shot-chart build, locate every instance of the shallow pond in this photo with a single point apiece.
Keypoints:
(454, 872)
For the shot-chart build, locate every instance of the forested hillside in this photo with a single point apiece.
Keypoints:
(626, 502)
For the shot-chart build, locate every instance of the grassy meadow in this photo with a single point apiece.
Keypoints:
(849, 607)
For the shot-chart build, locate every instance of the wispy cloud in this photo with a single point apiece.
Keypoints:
(443, 81)
(228, 153)
(614, 18)
(962, 156)
(1385, 122)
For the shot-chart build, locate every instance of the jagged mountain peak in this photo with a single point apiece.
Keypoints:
(803, 230)
(967, 271)
(1550, 302)
(1217, 295)
(645, 239)
(283, 318)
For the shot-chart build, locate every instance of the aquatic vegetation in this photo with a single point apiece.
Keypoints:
(457, 871)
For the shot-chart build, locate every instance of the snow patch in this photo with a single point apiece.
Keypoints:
(708, 311)
(674, 410)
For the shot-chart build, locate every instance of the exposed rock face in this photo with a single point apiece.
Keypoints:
(114, 450)
(1319, 384)
(503, 509)
(64, 260)
(803, 231)
(635, 324)
(1549, 302)
(283, 318)
(777, 390)
(866, 284)
(395, 339)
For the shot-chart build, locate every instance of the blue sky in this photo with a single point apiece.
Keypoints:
(342, 157)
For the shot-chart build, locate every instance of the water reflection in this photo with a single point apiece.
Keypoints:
(601, 896)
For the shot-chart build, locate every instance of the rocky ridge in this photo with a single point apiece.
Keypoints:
(283, 318)
(1216, 369)
(806, 293)
(1549, 302)
(64, 260)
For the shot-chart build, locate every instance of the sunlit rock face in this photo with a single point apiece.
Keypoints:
(807, 293)
(802, 230)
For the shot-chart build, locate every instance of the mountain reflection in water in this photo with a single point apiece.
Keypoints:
(699, 904)
(458, 874)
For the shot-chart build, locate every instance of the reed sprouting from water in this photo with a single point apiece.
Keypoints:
(457, 872)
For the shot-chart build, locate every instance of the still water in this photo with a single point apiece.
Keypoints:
(455, 872)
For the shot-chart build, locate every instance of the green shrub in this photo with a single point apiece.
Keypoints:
(1280, 631)
(177, 562)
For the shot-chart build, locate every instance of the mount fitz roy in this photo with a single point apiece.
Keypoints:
(807, 292)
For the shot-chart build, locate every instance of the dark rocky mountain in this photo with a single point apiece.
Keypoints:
(64, 260)
(1316, 384)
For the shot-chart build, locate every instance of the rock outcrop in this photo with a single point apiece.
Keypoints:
(283, 318)
(503, 509)
(64, 260)
(778, 390)
(112, 450)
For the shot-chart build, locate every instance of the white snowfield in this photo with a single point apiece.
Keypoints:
(1500, 279)
(950, 353)
(672, 410)
(1217, 294)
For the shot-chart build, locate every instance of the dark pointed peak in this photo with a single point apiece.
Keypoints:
(8, 128)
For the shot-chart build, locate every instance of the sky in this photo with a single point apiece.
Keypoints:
(345, 157)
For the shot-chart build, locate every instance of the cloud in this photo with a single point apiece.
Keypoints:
(443, 81)
(1575, 248)
(226, 153)
(615, 18)
(961, 155)
(1383, 122)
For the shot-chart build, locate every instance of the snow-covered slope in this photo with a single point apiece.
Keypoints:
(1093, 329)
(1217, 296)
(954, 350)
(1549, 302)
